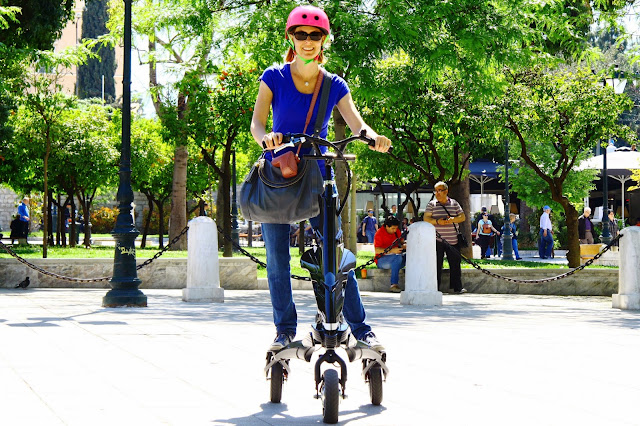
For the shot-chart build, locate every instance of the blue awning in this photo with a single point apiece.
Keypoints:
(486, 168)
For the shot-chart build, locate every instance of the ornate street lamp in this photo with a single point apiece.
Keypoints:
(125, 281)
(235, 236)
(507, 249)
(618, 85)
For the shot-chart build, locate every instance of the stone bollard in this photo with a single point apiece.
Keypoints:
(628, 296)
(203, 270)
(420, 278)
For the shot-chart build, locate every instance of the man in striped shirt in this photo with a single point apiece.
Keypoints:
(443, 212)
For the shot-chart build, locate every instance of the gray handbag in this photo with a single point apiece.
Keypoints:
(268, 197)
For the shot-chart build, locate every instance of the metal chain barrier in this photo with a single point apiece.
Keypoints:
(303, 278)
(544, 280)
(298, 277)
(88, 280)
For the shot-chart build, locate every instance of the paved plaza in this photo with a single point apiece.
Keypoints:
(476, 360)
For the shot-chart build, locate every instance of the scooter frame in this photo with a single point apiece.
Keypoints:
(329, 278)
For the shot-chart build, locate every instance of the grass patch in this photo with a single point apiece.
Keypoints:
(34, 251)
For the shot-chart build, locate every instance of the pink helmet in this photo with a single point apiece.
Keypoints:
(308, 15)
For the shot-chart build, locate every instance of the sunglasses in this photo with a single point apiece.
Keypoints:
(302, 36)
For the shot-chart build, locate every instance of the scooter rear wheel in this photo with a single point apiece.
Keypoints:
(330, 396)
(375, 384)
(277, 379)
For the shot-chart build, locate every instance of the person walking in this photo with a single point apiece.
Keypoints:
(614, 229)
(514, 234)
(545, 245)
(485, 228)
(23, 212)
(443, 213)
(286, 91)
(585, 227)
(369, 226)
(395, 259)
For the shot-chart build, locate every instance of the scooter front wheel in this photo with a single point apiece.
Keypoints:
(330, 396)
(277, 379)
(375, 384)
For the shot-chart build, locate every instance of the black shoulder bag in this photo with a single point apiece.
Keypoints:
(462, 240)
(269, 197)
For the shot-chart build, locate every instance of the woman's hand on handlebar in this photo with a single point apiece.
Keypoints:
(382, 144)
(271, 140)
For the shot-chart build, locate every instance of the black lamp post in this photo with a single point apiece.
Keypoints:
(234, 205)
(125, 281)
(618, 85)
(605, 238)
(507, 249)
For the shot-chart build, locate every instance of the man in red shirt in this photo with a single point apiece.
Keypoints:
(395, 258)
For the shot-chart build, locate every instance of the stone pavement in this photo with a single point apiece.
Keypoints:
(478, 359)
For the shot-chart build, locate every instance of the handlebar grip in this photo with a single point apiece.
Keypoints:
(370, 141)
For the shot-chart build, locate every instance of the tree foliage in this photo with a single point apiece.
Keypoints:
(555, 119)
(94, 25)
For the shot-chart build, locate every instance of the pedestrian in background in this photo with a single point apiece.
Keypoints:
(545, 246)
(369, 227)
(614, 229)
(23, 212)
(394, 259)
(514, 234)
(585, 227)
(443, 213)
(485, 227)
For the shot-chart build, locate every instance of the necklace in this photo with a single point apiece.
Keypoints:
(306, 83)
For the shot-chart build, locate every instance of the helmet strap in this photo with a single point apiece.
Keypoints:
(293, 47)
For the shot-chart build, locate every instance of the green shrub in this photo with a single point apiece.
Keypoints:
(103, 220)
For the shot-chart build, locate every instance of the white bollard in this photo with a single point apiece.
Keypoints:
(203, 270)
(628, 296)
(420, 278)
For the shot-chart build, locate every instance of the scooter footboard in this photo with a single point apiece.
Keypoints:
(359, 352)
(293, 350)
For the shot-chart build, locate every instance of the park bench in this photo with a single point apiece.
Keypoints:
(588, 251)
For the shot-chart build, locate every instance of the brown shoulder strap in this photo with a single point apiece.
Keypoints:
(316, 90)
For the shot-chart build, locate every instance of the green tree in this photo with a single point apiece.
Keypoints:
(556, 118)
(90, 75)
(36, 26)
(86, 150)
(151, 170)
(220, 120)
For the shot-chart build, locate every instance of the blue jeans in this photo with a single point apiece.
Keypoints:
(370, 236)
(514, 245)
(546, 245)
(395, 262)
(276, 241)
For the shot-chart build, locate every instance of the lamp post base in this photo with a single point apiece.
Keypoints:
(124, 298)
(507, 248)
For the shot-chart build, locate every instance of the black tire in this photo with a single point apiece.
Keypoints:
(277, 379)
(330, 396)
(375, 384)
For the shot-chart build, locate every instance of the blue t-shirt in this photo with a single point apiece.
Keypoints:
(369, 223)
(290, 107)
(23, 211)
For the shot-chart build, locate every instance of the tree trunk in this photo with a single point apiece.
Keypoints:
(459, 191)
(353, 217)
(160, 205)
(571, 214)
(45, 199)
(147, 222)
(72, 226)
(224, 204)
(339, 127)
(179, 198)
